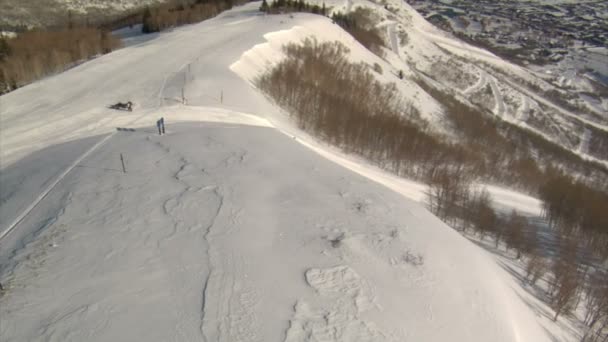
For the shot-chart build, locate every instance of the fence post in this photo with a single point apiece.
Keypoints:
(184, 86)
(122, 161)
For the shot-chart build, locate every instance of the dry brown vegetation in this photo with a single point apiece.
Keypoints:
(175, 14)
(596, 307)
(574, 209)
(343, 104)
(288, 6)
(360, 25)
(35, 54)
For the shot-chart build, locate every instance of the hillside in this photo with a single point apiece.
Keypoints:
(226, 228)
(512, 94)
(41, 13)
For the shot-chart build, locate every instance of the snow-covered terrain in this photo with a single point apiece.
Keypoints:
(234, 226)
(467, 71)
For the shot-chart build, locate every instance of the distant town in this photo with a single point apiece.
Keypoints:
(524, 31)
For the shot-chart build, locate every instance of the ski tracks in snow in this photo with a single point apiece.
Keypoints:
(227, 300)
(499, 110)
(194, 211)
(481, 82)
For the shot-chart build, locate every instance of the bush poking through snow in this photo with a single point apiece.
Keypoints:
(413, 259)
(377, 68)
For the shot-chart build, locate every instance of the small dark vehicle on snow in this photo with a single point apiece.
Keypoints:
(123, 106)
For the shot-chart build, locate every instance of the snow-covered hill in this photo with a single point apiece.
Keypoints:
(517, 95)
(234, 226)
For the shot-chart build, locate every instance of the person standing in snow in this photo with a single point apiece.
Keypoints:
(162, 124)
(158, 126)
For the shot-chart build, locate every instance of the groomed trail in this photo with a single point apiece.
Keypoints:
(232, 226)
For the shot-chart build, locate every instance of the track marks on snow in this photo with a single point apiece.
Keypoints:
(192, 210)
(347, 296)
(204, 206)
(344, 299)
(480, 84)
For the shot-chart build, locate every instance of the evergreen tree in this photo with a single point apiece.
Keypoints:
(147, 22)
(5, 49)
(264, 6)
(70, 20)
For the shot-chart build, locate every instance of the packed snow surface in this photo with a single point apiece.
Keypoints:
(232, 226)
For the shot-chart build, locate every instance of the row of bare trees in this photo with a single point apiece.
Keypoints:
(358, 23)
(175, 14)
(287, 6)
(343, 104)
(575, 209)
(35, 54)
(573, 274)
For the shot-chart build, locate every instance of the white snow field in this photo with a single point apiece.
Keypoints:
(233, 226)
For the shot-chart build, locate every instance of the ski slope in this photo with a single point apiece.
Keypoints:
(233, 226)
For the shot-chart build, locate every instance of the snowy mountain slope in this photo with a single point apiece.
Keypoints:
(224, 229)
(426, 51)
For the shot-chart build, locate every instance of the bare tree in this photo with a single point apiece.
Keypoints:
(482, 215)
(515, 233)
(567, 280)
(536, 267)
(596, 307)
(566, 289)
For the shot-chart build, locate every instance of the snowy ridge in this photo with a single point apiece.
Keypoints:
(234, 226)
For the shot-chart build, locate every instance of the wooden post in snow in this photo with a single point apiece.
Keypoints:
(184, 86)
(122, 161)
